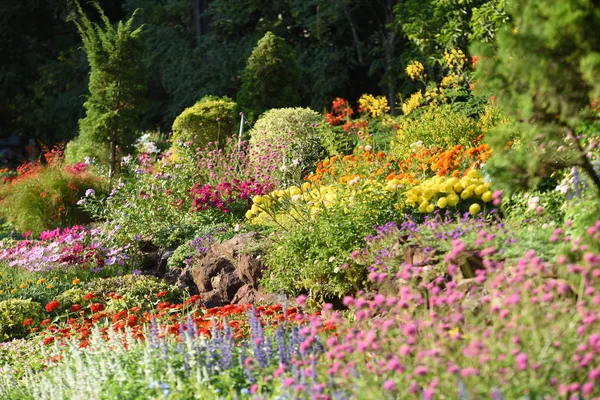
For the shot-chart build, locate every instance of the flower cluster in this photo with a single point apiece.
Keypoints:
(71, 248)
(224, 194)
(341, 111)
(447, 192)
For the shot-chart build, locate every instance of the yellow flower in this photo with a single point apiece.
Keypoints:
(430, 208)
(50, 286)
(1, 291)
(413, 102)
(442, 202)
(76, 281)
(415, 70)
(14, 291)
(467, 194)
(40, 281)
(22, 286)
(249, 214)
(474, 209)
(487, 196)
(452, 199)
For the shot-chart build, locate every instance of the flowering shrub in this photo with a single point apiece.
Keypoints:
(439, 193)
(16, 316)
(291, 137)
(44, 196)
(70, 248)
(228, 198)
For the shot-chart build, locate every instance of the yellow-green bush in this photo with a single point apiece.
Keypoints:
(435, 126)
(209, 120)
(288, 138)
(13, 313)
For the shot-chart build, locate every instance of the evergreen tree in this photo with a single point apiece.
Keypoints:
(271, 78)
(116, 85)
(544, 71)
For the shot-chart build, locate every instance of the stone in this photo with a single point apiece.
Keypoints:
(211, 299)
(245, 295)
(229, 284)
(250, 270)
(209, 267)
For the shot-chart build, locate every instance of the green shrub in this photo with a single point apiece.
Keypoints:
(435, 126)
(289, 138)
(13, 313)
(271, 78)
(209, 120)
(81, 147)
(314, 257)
(137, 290)
(47, 196)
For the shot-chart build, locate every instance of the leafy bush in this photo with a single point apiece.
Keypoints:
(209, 120)
(80, 148)
(292, 137)
(15, 315)
(45, 196)
(314, 256)
(435, 126)
(137, 290)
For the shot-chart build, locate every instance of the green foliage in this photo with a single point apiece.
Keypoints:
(435, 26)
(116, 85)
(13, 313)
(147, 206)
(544, 70)
(209, 120)
(83, 146)
(136, 290)
(271, 78)
(47, 198)
(314, 257)
(290, 138)
(435, 126)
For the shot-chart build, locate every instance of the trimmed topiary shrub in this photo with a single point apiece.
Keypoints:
(209, 120)
(271, 78)
(14, 313)
(290, 139)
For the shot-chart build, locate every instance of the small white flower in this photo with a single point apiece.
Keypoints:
(368, 148)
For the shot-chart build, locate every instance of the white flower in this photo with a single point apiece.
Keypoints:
(533, 202)
(368, 148)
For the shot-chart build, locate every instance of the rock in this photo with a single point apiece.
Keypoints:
(208, 268)
(149, 263)
(162, 263)
(211, 299)
(245, 295)
(229, 284)
(471, 262)
(250, 269)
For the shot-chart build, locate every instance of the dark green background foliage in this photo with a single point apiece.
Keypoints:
(193, 48)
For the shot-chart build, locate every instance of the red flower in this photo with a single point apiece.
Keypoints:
(89, 296)
(162, 293)
(53, 305)
(48, 340)
(28, 321)
(97, 307)
(163, 305)
(45, 322)
(75, 308)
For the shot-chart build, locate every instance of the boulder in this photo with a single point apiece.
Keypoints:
(208, 268)
(250, 269)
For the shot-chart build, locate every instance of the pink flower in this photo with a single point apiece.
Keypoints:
(389, 385)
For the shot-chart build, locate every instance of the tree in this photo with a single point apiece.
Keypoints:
(116, 85)
(544, 71)
(270, 80)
